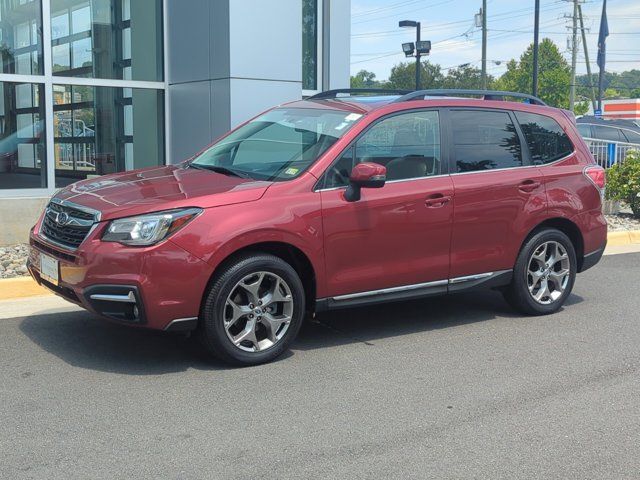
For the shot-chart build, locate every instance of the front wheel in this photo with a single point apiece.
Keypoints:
(253, 310)
(544, 273)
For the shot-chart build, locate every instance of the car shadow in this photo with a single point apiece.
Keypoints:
(86, 341)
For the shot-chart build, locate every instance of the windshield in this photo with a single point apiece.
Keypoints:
(278, 145)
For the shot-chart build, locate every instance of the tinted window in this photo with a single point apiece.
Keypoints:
(633, 137)
(585, 130)
(484, 140)
(546, 140)
(608, 133)
(408, 145)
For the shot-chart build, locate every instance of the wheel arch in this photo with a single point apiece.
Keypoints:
(569, 228)
(291, 254)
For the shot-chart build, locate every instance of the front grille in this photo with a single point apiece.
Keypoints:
(66, 225)
(52, 251)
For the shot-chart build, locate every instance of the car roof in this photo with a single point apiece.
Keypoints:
(628, 124)
(364, 103)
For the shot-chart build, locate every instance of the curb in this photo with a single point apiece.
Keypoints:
(627, 237)
(23, 287)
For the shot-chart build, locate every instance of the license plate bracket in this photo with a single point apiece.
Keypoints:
(49, 269)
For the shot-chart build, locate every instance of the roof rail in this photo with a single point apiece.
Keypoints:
(453, 92)
(356, 91)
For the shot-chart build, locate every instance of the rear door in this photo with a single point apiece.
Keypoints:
(499, 194)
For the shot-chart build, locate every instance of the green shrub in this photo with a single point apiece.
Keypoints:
(623, 182)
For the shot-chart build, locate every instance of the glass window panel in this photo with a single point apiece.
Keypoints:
(19, 24)
(100, 42)
(310, 44)
(23, 64)
(22, 141)
(26, 155)
(126, 44)
(59, 25)
(23, 35)
(546, 139)
(61, 58)
(484, 140)
(98, 131)
(81, 20)
(24, 95)
(82, 53)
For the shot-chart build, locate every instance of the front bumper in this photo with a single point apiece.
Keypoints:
(158, 287)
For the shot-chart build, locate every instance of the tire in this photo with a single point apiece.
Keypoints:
(231, 310)
(531, 276)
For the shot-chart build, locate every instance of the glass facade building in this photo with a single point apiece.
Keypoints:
(82, 90)
(92, 87)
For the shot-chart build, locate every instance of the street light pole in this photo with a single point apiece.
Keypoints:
(536, 32)
(418, 68)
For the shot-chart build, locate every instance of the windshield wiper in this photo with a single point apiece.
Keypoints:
(218, 169)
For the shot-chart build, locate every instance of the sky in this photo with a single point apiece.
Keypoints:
(449, 24)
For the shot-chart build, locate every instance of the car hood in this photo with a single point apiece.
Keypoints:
(161, 188)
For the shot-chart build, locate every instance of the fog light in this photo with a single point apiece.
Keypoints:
(135, 312)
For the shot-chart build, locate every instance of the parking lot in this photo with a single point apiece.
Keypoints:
(456, 387)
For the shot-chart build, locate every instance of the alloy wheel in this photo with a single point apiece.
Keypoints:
(258, 311)
(548, 272)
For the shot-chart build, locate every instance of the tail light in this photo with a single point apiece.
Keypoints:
(596, 174)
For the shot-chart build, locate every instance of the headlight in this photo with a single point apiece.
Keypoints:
(148, 229)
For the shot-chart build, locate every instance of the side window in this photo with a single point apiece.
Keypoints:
(546, 139)
(632, 137)
(408, 145)
(484, 140)
(585, 130)
(608, 133)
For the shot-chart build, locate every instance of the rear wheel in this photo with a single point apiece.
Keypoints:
(253, 311)
(544, 273)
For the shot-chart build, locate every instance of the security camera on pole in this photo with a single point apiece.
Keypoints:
(420, 48)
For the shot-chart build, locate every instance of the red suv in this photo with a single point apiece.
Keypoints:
(341, 200)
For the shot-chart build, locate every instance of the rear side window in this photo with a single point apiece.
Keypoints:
(484, 140)
(546, 139)
(608, 133)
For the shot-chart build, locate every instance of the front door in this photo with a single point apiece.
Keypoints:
(398, 235)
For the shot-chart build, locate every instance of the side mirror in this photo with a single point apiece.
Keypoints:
(365, 175)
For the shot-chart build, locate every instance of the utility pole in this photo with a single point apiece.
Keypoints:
(536, 32)
(484, 44)
(586, 59)
(574, 55)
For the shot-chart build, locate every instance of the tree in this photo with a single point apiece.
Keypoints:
(364, 79)
(554, 74)
(465, 77)
(403, 76)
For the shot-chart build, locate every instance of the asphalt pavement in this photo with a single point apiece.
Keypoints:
(457, 387)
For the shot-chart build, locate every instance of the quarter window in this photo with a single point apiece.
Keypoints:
(408, 145)
(633, 137)
(484, 140)
(547, 141)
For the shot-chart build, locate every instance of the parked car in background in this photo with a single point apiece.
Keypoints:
(624, 131)
(337, 201)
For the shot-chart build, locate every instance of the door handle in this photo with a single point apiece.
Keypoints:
(528, 186)
(437, 200)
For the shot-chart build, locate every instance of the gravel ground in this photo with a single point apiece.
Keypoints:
(622, 221)
(13, 258)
